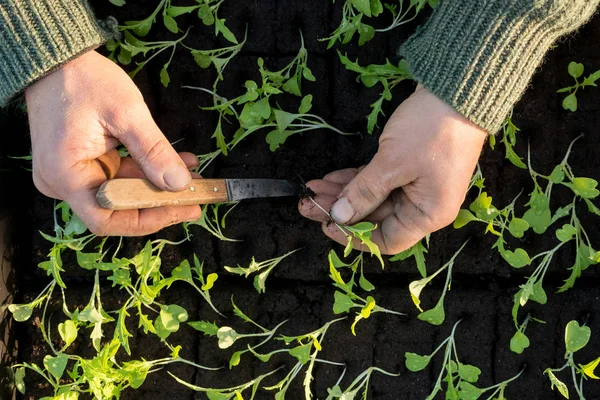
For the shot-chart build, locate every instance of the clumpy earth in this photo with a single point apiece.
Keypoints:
(299, 289)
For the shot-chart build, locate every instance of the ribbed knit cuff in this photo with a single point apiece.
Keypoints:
(479, 55)
(37, 36)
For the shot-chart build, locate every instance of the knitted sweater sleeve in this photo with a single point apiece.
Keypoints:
(479, 55)
(38, 36)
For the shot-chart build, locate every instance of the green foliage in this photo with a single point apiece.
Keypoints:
(346, 299)
(360, 383)
(436, 315)
(576, 338)
(262, 270)
(212, 221)
(388, 75)
(354, 12)
(417, 251)
(458, 377)
(576, 71)
(509, 139)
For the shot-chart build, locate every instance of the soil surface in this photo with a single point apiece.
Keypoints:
(299, 289)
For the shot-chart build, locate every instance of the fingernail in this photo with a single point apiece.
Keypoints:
(342, 211)
(177, 177)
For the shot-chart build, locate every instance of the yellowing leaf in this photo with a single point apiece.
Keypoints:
(588, 369)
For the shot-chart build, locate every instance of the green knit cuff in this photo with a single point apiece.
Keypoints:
(38, 36)
(478, 56)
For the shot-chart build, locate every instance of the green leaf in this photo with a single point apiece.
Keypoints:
(235, 359)
(539, 216)
(374, 115)
(517, 259)
(121, 331)
(210, 281)
(565, 233)
(539, 294)
(284, 119)
(164, 76)
(227, 336)
(302, 353)
(415, 362)
(519, 342)
(436, 315)
(206, 15)
(292, 86)
(466, 391)
(363, 6)
(56, 365)
(584, 187)
(208, 328)
(589, 369)
(20, 379)
(557, 175)
(68, 332)
(570, 102)
(463, 218)
(171, 316)
(176, 11)
(469, 373)
(203, 60)
(365, 33)
(141, 27)
(364, 283)
(276, 138)
(575, 69)
(342, 303)
(118, 3)
(221, 28)
(21, 312)
(306, 104)
(170, 23)
(554, 381)
(483, 208)
(517, 227)
(576, 337)
(220, 138)
(136, 372)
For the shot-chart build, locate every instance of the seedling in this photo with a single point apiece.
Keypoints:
(576, 71)
(576, 338)
(401, 15)
(212, 221)
(306, 351)
(231, 392)
(227, 336)
(362, 233)
(264, 267)
(387, 74)
(519, 342)
(417, 251)
(353, 13)
(459, 377)
(509, 139)
(436, 315)
(347, 299)
(360, 383)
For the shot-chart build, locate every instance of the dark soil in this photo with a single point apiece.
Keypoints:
(299, 290)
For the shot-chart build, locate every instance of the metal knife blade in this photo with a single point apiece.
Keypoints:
(240, 189)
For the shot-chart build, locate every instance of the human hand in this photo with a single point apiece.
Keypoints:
(81, 112)
(414, 185)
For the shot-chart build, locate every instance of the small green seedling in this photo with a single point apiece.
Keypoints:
(576, 338)
(346, 299)
(436, 315)
(387, 74)
(509, 139)
(401, 16)
(576, 71)
(459, 377)
(211, 220)
(227, 336)
(132, 47)
(519, 342)
(353, 13)
(306, 350)
(360, 383)
(234, 392)
(417, 251)
(264, 267)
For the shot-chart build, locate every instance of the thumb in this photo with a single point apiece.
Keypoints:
(365, 192)
(153, 153)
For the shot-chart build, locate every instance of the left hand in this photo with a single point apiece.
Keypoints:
(414, 185)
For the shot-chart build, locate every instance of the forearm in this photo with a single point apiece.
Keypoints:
(38, 36)
(479, 55)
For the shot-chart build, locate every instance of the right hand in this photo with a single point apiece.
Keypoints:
(84, 110)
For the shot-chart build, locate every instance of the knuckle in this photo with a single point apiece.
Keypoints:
(155, 151)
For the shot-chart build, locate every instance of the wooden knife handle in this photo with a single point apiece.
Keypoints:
(133, 194)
